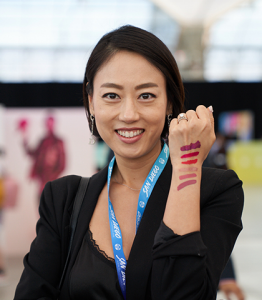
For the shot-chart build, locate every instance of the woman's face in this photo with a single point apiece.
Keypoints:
(129, 103)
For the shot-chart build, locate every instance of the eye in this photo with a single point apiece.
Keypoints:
(111, 96)
(147, 96)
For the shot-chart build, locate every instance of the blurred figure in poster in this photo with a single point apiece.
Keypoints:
(217, 158)
(48, 156)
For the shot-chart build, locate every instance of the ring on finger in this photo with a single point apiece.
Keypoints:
(181, 116)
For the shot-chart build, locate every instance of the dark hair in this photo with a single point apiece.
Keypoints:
(140, 41)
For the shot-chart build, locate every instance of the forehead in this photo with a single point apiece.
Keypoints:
(125, 66)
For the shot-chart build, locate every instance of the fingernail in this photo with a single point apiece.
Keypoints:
(211, 108)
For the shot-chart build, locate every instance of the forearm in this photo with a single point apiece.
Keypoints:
(182, 213)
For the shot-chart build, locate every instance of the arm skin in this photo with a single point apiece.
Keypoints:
(189, 266)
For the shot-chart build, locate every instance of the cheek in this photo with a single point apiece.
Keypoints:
(101, 121)
(157, 122)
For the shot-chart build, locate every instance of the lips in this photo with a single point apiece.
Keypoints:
(130, 133)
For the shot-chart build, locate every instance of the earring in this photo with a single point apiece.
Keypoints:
(92, 140)
(169, 119)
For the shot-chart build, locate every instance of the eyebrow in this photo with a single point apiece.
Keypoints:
(120, 87)
(146, 85)
(112, 85)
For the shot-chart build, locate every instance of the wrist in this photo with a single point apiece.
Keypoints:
(179, 167)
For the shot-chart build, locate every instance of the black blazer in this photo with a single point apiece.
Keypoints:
(182, 267)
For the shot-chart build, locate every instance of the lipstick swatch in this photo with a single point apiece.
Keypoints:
(189, 162)
(191, 146)
(190, 154)
(186, 183)
(187, 176)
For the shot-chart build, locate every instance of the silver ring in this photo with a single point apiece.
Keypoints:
(181, 116)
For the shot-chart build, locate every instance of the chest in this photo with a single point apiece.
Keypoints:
(125, 208)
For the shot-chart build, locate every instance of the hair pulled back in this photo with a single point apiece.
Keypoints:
(140, 41)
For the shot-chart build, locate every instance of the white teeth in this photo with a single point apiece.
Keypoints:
(129, 133)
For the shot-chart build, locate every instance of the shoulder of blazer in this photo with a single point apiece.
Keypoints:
(216, 181)
(64, 190)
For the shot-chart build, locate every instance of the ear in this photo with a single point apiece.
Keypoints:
(91, 105)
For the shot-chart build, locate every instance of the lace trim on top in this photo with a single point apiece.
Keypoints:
(96, 247)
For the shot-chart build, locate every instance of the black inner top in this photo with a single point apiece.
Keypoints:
(94, 275)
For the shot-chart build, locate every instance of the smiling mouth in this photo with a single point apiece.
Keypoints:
(129, 134)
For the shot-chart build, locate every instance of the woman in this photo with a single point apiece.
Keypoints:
(178, 243)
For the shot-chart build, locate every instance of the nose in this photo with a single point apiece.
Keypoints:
(129, 111)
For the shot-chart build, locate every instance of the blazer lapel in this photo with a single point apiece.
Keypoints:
(140, 258)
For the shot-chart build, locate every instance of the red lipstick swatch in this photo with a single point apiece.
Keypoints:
(191, 146)
(190, 154)
(187, 176)
(186, 183)
(189, 162)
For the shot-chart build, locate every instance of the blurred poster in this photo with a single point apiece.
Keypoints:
(48, 156)
(237, 124)
(41, 145)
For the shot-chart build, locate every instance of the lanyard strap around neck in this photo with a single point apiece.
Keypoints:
(145, 192)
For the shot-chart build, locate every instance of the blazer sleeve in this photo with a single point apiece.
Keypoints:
(44, 263)
(189, 266)
(229, 271)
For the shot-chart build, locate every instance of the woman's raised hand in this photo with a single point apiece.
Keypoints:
(191, 136)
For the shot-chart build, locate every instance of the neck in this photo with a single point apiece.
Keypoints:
(133, 172)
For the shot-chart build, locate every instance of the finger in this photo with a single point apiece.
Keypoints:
(239, 294)
(205, 114)
(173, 121)
(202, 112)
(227, 294)
(191, 115)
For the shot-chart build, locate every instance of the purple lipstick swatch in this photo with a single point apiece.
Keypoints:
(187, 176)
(190, 154)
(191, 146)
(186, 183)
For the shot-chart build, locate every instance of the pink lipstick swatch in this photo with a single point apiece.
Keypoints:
(191, 146)
(189, 162)
(189, 169)
(187, 176)
(190, 154)
(186, 183)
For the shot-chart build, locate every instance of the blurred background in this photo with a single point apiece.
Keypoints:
(44, 47)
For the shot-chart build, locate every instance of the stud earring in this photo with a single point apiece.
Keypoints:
(169, 119)
(92, 140)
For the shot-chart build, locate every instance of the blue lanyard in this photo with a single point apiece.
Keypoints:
(145, 192)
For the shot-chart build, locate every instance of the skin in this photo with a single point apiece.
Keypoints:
(125, 105)
(229, 287)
